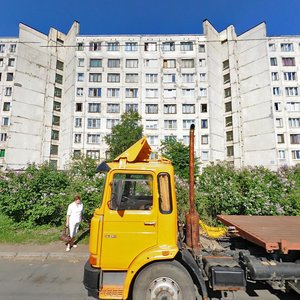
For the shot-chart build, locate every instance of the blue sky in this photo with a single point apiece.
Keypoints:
(152, 16)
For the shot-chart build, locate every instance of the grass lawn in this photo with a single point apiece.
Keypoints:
(12, 233)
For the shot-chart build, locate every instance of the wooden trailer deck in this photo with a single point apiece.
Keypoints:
(270, 232)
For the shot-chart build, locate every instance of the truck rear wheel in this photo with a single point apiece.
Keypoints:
(164, 281)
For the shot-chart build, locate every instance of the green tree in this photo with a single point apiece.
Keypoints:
(178, 153)
(124, 134)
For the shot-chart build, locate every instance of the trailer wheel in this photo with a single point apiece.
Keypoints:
(164, 281)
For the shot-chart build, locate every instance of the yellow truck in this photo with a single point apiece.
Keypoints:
(139, 250)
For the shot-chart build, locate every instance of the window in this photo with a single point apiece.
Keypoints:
(95, 63)
(94, 92)
(78, 122)
(168, 46)
(169, 78)
(229, 136)
(113, 108)
(201, 48)
(113, 93)
(2, 152)
(227, 92)
(9, 76)
(113, 63)
(55, 135)
(113, 46)
(95, 46)
(6, 106)
(151, 63)
(12, 48)
(131, 78)
(202, 77)
(291, 91)
(151, 93)
(110, 123)
(225, 64)
(188, 78)
(202, 62)
(94, 154)
(53, 149)
(113, 77)
(228, 121)
(202, 92)
(11, 62)
(188, 92)
(80, 62)
(169, 108)
(273, 61)
(55, 120)
(58, 78)
(56, 106)
(131, 46)
(5, 121)
(204, 139)
(279, 122)
(95, 77)
(289, 76)
(79, 92)
(280, 138)
(152, 140)
(295, 138)
(2, 48)
(293, 106)
(131, 107)
(131, 93)
(169, 63)
(132, 63)
(226, 78)
(275, 76)
(165, 195)
(169, 93)
(228, 106)
(276, 91)
(131, 192)
(59, 65)
(203, 108)
(3, 137)
(94, 107)
(187, 63)
(150, 46)
(281, 154)
(1, 62)
(76, 153)
(294, 122)
(204, 155)
(288, 61)
(80, 46)
(151, 124)
(8, 91)
(151, 78)
(78, 106)
(93, 123)
(204, 123)
(287, 47)
(230, 151)
(151, 109)
(272, 47)
(188, 108)
(80, 76)
(186, 46)
(277, 106)
(93, 138)
(296, 154)
(170, 124)
(186, 124)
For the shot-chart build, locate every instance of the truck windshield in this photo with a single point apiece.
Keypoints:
(132, 192)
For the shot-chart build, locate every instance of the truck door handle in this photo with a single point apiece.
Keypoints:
(150, 223)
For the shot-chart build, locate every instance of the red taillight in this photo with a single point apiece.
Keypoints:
(93, 259)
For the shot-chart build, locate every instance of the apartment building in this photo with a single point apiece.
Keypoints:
(60, 94)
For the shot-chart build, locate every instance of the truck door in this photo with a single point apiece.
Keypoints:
(130, 224)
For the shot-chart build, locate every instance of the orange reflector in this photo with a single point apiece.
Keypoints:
(165, 253)
(93, 259)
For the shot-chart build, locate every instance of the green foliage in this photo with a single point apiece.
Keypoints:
(178, 153)
(124, 134)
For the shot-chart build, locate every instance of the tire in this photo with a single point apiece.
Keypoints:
(164, 281)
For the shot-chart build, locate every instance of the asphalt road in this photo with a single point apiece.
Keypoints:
(62, 280)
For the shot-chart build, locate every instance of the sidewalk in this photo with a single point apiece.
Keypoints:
(56, 250)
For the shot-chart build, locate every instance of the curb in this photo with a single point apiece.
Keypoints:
(42, 255)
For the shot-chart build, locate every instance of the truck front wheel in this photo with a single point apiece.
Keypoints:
(164, 281)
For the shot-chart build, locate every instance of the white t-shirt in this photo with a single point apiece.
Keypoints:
(75, 212)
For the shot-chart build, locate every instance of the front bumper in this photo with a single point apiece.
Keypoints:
(91, 280)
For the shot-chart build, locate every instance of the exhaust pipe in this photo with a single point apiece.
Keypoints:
(192, 217)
